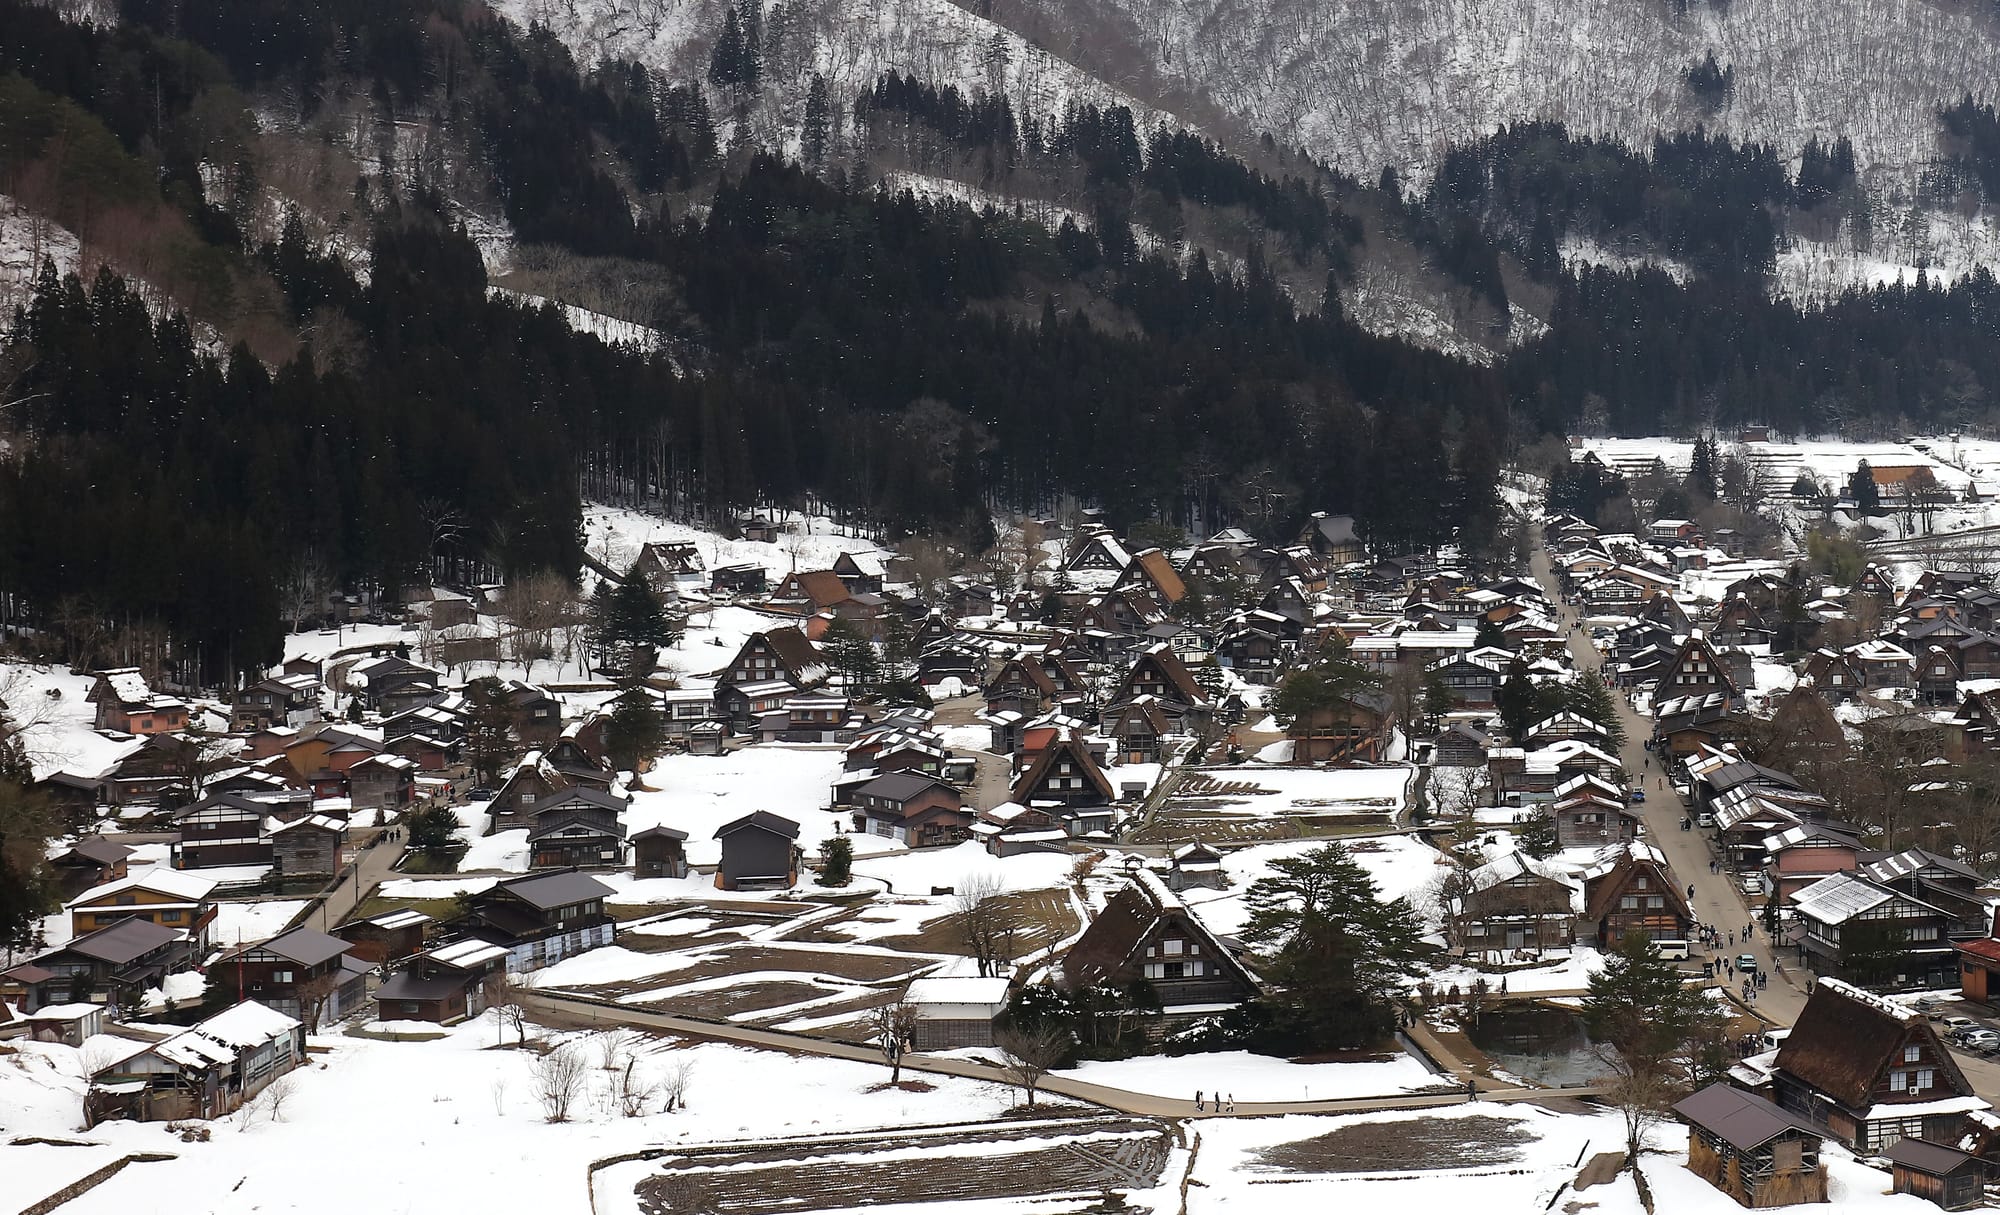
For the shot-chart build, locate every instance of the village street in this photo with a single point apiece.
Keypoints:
(1716, 899)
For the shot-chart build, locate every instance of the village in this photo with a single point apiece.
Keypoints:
(860, 870)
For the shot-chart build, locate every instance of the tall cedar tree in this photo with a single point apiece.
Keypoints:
(637, 729)
(1867, 497)
(1334, 952)
(489, 727)
(1656, 1024)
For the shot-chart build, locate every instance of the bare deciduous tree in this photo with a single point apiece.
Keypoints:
(501, 992)
(1028, 1054)
(559, 1081)
(674, 1083)
(985, 920)
(894, 1027)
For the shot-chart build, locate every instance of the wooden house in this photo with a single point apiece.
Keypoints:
(301, 973)
(91, 861)
(539, 919)
(1804, 853)
(746, 578)
(1937, 674)
(1010, 829)
(113, 964)
(532, 783)
(1868, 933)
(1195, 865)
(308, 847)
(1884, 665)
(659, 852)
(1834, 674)
(1869, 1071)
(171, 898)
(1631, 890)
(777, 654)
(1064, 774)
(124, 703)
(670, 568)
(383, 781)
(1159, 673)
(388, 937)
(760, 851)
(911, 808)
(578, 828)
(1751, 1150)
(1354, 731)
(1590, 812)
(1136, 729)
(1022, 685)
(1334, 539)
(1515, 902)
(444, 985)
(1696, 669)
(283, 700)
(1151, 570)
(204, 1071)
(1146, 934)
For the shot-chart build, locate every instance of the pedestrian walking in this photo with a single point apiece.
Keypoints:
(1197, 1101)
(1732, 939)
(1232, 1103)
(1690, 890)
(1711, 864)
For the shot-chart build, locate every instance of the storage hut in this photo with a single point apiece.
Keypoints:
(1751, 1150)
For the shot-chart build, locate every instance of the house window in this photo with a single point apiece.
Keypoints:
(1628, 903)
(525, 799)
(281, 976)
(1912, 1053)
(1171, 948)
(170, 917)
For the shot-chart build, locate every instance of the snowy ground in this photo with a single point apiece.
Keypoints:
(1249, 1077)
(1401, 866)
(450, 1125)
(699, 793)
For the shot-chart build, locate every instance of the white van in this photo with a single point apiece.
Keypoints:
(1672, 951)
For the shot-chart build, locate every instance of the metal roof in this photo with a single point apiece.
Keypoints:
(1744, 1120)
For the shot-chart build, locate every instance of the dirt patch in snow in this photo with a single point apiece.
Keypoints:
(1426, 1143)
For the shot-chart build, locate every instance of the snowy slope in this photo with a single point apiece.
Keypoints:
(852, 42)
(1376, 82)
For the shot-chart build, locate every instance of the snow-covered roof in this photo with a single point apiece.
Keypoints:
(962, 990)
(178, 884)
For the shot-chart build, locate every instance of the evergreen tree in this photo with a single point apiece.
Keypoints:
(1519, 702)
(1867, 498)
(1643, 1008)
(1702, 469)
(727, 63)
(818, 123)
(489, 727)
(853, 657)
(1535, 834)
(1489, 635)
(836, 861)
(637, 729)
(1589, 698)
(1335, 952)
(432, 827)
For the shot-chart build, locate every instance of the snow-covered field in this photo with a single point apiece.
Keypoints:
(698, 793)
(1299, 791)
(1401, 866)
(1248, 1077)
(449, 1125)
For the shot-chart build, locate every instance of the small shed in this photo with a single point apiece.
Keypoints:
(760, 851)
(1946, 1176)
(1751, 1150)
(659, 852)
(68, 1024)
(956, 1012)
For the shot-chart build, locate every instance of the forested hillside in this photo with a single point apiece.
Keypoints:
(310, 345)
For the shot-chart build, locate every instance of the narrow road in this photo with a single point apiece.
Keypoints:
(1717, 900)
(589, 1011)
(371, 867)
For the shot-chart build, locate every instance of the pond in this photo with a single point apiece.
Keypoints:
(1540, 1043)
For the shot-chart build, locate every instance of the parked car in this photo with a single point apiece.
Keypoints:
(1636, 795)
(1956, 1025)
(1775, 1038)
(1746, 963)
(1980, 1040)
(480, 793)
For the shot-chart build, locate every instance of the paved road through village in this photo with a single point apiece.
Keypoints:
(1716, 900)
